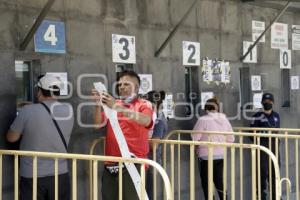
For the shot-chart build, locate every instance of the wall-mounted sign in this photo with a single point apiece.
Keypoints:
(146, 83)
(256, 83)
(257, 97)
(123, 49)
(50, 37)
(204, 97)
(191, 53)
(285, 59)
(168, 106)
(279, 36)
(296, 37)
(63, 77)
(258, 28)
(252, 56)
(216, 71)
(294, 82)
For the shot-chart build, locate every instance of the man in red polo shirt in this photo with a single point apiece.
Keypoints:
(135, 119)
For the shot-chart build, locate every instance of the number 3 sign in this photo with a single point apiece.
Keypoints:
(50, 37)
(191, 53)
(123, 49)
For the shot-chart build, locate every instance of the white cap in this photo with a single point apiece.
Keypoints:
(48, 81)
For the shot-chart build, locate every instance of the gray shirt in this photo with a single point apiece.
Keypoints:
(39, 133)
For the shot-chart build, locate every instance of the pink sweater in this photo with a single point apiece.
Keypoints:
(212, 122)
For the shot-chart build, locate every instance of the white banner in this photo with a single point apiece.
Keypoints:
(258, 28)
(279, 36)
(296, 37)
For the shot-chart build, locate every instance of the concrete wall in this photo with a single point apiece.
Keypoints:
(219, 25)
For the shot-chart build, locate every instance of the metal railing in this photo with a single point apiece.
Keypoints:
(74, 158)
(290, 138)
(191, 145)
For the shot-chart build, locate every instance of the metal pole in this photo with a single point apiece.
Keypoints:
(267, 29)
(163, 46)
(36, 25)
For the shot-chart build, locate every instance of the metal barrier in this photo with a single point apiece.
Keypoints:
(288, 136)
(180, 144)
(74, 158)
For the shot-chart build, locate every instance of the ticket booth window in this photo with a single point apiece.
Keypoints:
(285, 88)
(191, 87)
(27, 73)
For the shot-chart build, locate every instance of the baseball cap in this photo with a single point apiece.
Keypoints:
(49, 82)
(267, 96)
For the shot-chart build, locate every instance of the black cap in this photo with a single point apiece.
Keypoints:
(267, 96)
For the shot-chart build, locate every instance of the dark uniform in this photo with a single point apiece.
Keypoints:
(263, 120)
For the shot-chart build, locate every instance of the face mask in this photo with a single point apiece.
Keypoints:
(267, 106)
(130, 98)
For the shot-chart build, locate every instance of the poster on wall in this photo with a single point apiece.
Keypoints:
(252, 56)
(225, 67)
(63, 77)
(256, 83)
(146, 83)
(168, 106)
(204, 97)
(123, 49)
(216, 71)
(294, 82)
(296, 37)
(257, 97)
(258, 28)
(206, 71)
(191, 53)
(279, 36)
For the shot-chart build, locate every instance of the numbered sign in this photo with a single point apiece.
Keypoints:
(123, 49)
(50, 37)
(252, 56)
(191, 53)
(285, 59)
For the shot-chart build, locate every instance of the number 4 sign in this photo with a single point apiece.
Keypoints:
(285, 59)
(50, 37)
(191, 53)
(123, 49)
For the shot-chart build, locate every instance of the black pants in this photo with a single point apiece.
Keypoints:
(110, 186)
(264, 177)
(45, 188)
(217, 176)
(149, 183)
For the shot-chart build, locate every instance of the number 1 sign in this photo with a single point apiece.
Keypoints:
(50, 37)
(191, 53)
(123, 49)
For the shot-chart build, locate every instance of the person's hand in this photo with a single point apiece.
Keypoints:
(96, 96)
(108, 100)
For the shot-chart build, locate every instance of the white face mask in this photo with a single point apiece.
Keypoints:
(130, 98)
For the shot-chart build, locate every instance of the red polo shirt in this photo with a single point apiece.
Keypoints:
(136, 135)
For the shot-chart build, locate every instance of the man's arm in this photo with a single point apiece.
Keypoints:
(12, 136)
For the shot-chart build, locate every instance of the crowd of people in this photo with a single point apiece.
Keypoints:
(47, 126)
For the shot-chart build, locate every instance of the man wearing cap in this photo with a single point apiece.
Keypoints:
(45, 127)
(267, 118)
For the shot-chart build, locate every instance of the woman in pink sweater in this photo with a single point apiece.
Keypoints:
(212, 121)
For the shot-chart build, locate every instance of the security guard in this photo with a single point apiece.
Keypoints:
(267, 118)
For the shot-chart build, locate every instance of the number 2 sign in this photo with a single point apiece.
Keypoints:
(50, 37)
(123, 49)
(191, 53)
